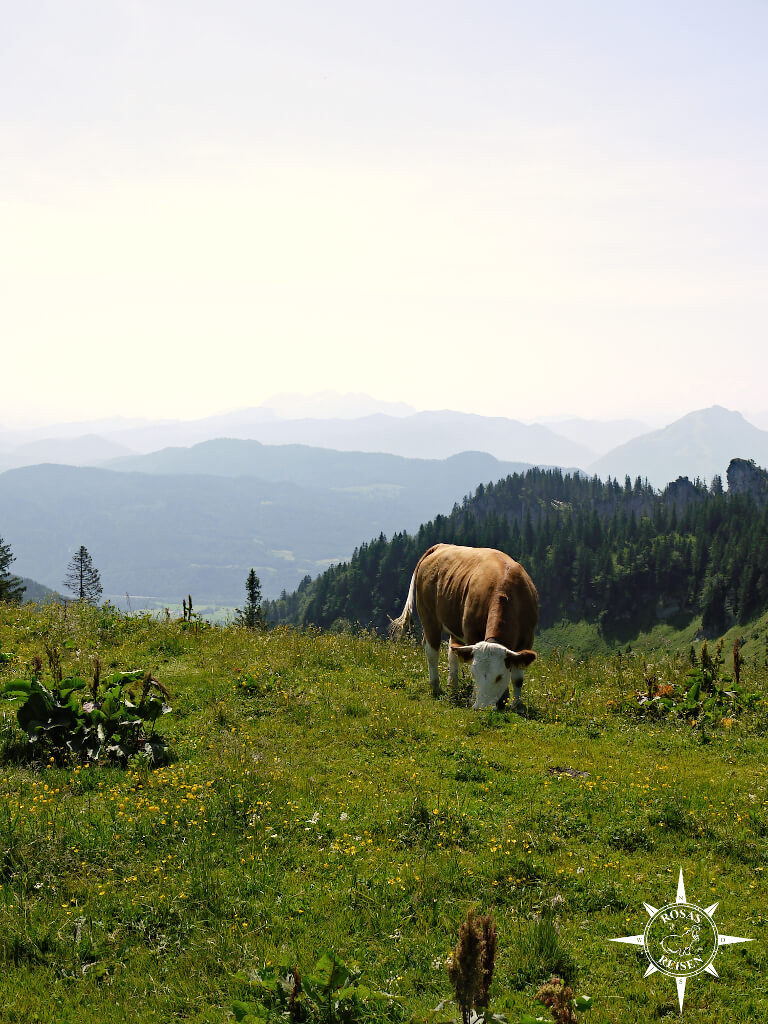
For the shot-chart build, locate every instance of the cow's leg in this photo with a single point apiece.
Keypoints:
(433, 656)
(432, 637)
(517, 688)
(453, 670)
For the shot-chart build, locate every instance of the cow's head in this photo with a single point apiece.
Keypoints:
(493, 667)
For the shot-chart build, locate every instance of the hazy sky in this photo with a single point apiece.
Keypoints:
(524, 209)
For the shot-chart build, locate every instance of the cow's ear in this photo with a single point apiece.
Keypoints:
(519, 659)
(465, 653)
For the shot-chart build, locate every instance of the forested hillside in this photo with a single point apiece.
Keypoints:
(623, 556)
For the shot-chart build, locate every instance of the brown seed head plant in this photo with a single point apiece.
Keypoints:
(54, 662)
(472, 961)
(294, 1006)
(558, 997)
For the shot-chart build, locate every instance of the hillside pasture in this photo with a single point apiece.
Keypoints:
(319, 798)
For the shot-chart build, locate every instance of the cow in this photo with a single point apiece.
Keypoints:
(488, 606)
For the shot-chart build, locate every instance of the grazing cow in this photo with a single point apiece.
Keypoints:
(489, 607)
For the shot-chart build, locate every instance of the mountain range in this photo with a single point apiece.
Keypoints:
(328, 420)
(699, 444)
(197, 520)
(196, 517)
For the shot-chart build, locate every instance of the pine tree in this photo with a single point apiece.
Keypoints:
(251, 615)
(82, 577)
(11, 587)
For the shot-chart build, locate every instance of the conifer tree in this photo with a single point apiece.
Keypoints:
(250, 615)
(11, 587)
(82, 577)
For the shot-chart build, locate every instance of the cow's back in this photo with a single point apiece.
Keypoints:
(475, 594)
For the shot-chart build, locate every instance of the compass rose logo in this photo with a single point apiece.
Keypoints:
(681, 940)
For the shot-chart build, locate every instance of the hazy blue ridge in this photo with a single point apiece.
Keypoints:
(430, 435)
(317, 467)
(163, 535)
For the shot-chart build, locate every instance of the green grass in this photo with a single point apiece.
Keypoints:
(584, 639)
(319, 798)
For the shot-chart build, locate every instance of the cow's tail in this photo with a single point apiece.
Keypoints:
(398, 626)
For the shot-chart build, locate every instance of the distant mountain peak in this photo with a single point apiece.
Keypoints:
(700, 444)
(289, 405)
(712, 412)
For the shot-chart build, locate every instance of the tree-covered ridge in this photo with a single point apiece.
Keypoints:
(621, 555)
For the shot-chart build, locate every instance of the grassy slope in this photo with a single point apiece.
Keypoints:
(334, 803)
(584, 639)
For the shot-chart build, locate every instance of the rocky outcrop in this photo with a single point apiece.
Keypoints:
(682, 492)
(744, 477)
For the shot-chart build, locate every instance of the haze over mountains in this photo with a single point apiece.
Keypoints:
(699, 444)
(307, 466)
(197, 520)
(365, 425)
(162, 519)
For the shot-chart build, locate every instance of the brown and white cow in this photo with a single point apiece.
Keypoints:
(489, 607)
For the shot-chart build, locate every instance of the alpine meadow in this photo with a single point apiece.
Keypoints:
(383, 512)
(256, 821)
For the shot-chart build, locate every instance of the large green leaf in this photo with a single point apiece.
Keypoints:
(330, 973)
(112, 704)
(69, 686)
(16, 688)
(37, 708)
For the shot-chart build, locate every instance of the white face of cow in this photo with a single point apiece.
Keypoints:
(494, 667)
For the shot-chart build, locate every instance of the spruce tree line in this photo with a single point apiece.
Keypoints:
(622, 556)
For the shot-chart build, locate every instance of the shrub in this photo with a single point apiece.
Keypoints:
(110, 726)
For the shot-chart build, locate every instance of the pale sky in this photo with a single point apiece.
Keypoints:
(511, 208)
